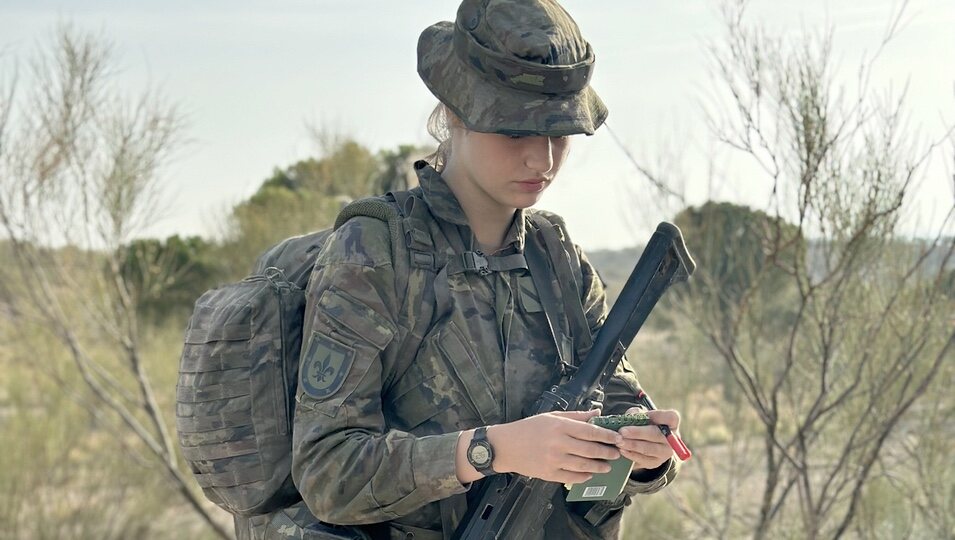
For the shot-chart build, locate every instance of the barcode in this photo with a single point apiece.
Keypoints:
(594, 491)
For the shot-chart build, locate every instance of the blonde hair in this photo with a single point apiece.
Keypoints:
(439, 127)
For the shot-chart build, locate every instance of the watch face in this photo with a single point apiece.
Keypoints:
(480, 455)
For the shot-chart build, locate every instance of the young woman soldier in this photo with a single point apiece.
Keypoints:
(382, 430)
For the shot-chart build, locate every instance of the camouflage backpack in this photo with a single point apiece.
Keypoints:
(238, 373)
(239, 368)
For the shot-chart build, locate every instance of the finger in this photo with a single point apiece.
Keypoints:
(657, 450)
(637, 410)
(584, 465)
(568, 477)
(643, 433)
(590, 432)
(669, 417)
(643, 461)
(587, 449)
(581, 416)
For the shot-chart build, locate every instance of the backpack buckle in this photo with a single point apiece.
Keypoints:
(275, 276)
(475, 260)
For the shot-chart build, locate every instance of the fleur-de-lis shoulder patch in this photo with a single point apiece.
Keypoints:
(324, 367)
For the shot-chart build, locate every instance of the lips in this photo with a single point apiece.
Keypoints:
(532, 185)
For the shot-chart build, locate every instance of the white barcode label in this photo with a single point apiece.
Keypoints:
(594, 491)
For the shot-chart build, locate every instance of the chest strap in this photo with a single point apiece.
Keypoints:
(475, 261)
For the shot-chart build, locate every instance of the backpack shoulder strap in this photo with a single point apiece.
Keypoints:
(399, 209)
(542, 275)
(566, 267)
(294, 258)
(553, 229)
(416, 234)
(413, 256)
(557, 232)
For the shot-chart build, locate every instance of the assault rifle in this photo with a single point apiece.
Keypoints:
(510, 505)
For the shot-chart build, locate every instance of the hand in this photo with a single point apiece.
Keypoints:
(557, 447)
(646, 446)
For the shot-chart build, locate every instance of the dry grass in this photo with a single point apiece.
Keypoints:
(68, 471)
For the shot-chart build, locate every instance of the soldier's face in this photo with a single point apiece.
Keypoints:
(507, 172)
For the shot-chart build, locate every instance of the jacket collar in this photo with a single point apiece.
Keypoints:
(444, 205)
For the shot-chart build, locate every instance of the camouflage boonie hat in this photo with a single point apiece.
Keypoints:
(516, 67)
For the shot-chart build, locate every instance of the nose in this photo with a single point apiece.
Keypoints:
(539, 154)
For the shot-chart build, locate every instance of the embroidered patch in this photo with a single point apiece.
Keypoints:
(325, 366)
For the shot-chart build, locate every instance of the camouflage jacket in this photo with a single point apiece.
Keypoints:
(374, 438)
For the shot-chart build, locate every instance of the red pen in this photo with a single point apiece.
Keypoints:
(676, 443)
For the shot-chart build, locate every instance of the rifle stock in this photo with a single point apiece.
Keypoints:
(511, 506)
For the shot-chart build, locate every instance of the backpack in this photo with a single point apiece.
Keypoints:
(238, 372)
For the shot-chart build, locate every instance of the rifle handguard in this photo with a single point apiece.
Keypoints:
(511, 506)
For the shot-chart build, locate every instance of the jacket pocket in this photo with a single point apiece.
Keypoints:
(355, 320)
(468, 372)
(429, 405)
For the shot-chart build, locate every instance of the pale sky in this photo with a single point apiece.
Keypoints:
(251, 74)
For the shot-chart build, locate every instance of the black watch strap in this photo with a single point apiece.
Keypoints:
(480, 453)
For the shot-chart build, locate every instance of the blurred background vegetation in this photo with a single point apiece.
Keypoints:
(811, 355)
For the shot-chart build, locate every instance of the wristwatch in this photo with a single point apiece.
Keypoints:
(480, 453)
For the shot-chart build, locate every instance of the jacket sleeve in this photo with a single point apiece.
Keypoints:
(349, 467)
(621, 391)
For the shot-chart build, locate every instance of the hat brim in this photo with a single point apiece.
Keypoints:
(489, 107)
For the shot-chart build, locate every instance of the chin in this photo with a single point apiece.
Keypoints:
(526, 201)
(525, 205)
